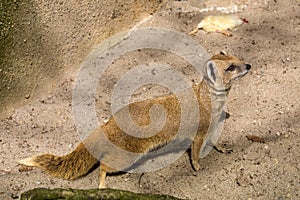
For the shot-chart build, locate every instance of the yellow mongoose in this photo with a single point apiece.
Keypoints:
(219, 74)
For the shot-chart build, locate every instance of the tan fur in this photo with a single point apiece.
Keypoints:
(80, 161)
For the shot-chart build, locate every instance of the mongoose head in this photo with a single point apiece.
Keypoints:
(222, 70)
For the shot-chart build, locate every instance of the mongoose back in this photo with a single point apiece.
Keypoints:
(219, 73)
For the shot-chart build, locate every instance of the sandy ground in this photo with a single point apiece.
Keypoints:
(265, 104)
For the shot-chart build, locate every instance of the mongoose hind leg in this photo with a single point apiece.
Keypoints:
(196, 146)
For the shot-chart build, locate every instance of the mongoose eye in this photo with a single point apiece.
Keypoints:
(230, 68)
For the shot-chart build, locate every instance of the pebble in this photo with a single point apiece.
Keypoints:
(27, 96)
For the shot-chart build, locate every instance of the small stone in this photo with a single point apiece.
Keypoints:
(27, 96)
(14, 196)
(243, 179)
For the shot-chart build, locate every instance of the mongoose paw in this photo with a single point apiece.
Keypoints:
(223, 149)
(102, 186)
(196, 165)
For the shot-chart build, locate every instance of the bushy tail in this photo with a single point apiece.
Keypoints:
(71, 166)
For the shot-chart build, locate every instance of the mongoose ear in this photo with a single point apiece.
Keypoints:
(211, 70)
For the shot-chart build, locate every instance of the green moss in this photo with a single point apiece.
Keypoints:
(72, 194)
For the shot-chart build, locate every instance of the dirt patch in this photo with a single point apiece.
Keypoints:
(44, 42)
(264, 105)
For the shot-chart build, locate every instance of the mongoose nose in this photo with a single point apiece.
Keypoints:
(248, 67)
